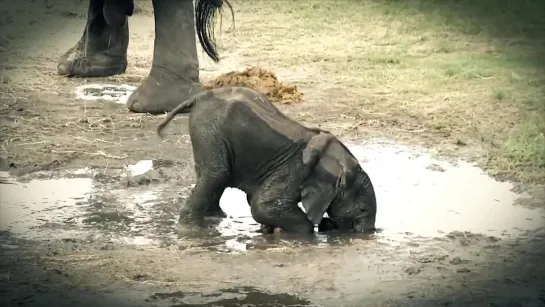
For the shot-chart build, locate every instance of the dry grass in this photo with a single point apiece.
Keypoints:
(444, 69)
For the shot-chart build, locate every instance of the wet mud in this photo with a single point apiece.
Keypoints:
(436, 219)
(114, 230)
(88, 210)
(243, 296)
(418, 196)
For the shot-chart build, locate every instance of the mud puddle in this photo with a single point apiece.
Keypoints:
(422, 196)
(110, 92)
(243, 296)
(418, 196)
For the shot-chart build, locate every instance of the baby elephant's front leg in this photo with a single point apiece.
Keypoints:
(283, 214)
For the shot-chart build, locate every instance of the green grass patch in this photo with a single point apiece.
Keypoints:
(460, 69)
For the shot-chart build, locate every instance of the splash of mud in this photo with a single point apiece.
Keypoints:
(261, 80)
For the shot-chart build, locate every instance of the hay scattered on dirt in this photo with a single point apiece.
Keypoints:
(261, 80)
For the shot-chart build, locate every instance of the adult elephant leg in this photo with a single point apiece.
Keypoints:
(174, 75)
(102, 49)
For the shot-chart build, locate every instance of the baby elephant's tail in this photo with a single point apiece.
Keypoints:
(182, 107)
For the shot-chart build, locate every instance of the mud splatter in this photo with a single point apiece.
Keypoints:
(261, 80)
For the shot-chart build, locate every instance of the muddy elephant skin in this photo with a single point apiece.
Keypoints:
(242, 140)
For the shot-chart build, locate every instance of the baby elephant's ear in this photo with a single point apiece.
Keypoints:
(316, 196)
(315, 147)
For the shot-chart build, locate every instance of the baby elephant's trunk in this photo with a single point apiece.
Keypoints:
(181, 108)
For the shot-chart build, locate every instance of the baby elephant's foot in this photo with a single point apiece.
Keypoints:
(268, 229)
(189, 228)
(280, 234)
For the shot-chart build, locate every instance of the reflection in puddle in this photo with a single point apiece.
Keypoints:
(117, 93)
(73, 207)
(49, 203)
(416, 195)
(420, 195)
(239, 221)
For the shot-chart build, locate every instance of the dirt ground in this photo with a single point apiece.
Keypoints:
(369, 69)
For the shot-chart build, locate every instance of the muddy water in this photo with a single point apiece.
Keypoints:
(25, 207)
(420, 195)
(417, 196)
(243, 296)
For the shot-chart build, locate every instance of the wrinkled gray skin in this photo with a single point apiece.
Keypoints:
(241, 140)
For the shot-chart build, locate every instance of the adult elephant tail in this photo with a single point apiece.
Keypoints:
(181, 108)
(205, 12)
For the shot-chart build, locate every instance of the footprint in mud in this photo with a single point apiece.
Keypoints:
(243, 296)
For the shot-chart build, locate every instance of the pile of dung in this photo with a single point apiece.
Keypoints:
(260, 80)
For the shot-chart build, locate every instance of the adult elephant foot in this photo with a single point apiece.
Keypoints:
(174, 75)
(102, 49)
(160, 93)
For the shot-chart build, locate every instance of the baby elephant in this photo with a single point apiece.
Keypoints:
(242, 140)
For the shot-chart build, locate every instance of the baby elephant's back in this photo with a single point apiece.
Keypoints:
(251, 122)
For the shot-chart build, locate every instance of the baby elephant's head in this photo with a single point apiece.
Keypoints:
(355, 205)
(337, 185)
